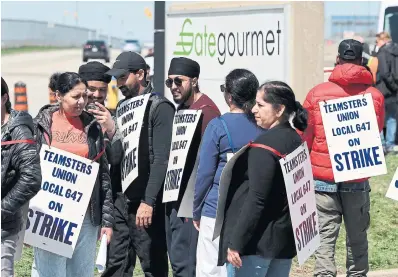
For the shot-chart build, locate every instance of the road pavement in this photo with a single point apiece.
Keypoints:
(35, 69)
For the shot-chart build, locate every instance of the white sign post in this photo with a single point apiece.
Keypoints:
(299, 183)
(392, 191)
(184, 126)
(353, 137)
(130, 116)
(56, 213)
(213, 39)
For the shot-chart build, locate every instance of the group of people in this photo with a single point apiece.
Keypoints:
(256, 237)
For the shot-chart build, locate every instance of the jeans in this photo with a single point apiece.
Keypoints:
(8, 246)
(148, 244)
(391, 125)
(254, 266)
(182, 239)
(119, 252)
(207, 251)
(82, 263)
(354, 208)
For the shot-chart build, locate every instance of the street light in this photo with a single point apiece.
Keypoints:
(76, 14)
(110, 29)
(122, 24)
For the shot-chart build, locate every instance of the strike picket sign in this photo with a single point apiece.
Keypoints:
(353, 137)
(56, 213)
(184, 126)
(299, 183)
(392, 191)
(130, 116)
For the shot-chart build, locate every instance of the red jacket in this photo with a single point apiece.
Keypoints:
(346, 80)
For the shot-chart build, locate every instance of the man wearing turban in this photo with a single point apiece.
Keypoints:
(182, 236)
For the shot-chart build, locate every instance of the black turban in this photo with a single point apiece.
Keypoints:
(185, 67)
(95, 71)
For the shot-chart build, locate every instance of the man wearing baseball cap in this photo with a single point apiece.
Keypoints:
(349, 200)
(140, 224)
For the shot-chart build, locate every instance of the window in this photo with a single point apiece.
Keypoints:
(391, 22)
(96, 42)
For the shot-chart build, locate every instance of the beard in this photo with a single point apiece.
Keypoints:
(130, 92)
(184, 96)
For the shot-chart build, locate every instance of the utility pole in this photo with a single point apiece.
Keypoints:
(110, 29)
(159, 39)
(122, 23)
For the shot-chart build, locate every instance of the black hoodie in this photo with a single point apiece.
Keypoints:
(385, 83)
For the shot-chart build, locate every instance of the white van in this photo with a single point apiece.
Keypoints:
(388, 18)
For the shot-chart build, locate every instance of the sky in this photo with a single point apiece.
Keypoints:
(127, 19)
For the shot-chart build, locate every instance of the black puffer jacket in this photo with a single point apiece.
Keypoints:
(20, 171)
(101, 203)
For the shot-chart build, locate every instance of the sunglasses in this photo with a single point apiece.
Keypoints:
(94, 89)
(177, 81)
(222, 88)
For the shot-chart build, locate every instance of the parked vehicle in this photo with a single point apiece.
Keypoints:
(388, 18)
(96, 49)
(132, 45)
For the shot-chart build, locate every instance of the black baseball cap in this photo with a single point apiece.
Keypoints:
(350, 49)
(125, 63)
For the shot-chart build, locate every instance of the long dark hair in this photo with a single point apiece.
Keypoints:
(4, 90)
(279, 93)
(67, 81)
(241, 85)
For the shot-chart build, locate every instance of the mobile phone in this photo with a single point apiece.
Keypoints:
(91, 106)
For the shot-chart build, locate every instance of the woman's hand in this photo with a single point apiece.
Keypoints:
(108, 231)
(234, 258)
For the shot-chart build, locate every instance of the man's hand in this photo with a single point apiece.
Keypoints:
(108, 232)
(196, 224)
(104, 118)
(234, 258)
(144, 216)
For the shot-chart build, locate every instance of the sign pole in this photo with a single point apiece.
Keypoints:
(159, 39)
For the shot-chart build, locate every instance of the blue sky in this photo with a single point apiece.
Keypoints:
(122, 18)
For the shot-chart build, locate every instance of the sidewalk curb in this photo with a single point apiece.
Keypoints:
(380, 273)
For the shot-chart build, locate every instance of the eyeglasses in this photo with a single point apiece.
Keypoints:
(177, 81)
(222, 88)
(101, 90)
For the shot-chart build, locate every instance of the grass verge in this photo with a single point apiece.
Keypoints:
(383, 241)
(25, 49)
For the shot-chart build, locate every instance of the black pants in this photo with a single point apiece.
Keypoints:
(182, 239)
(128, 242)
